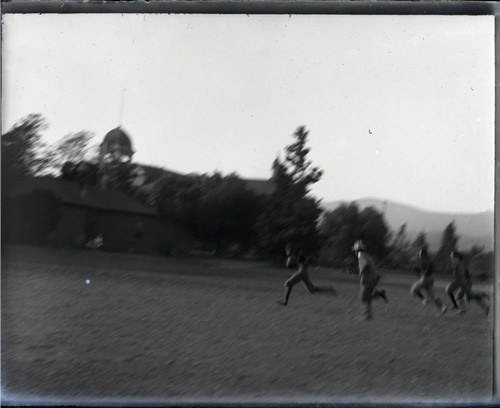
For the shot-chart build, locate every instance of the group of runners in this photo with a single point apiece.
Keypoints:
(459, 289)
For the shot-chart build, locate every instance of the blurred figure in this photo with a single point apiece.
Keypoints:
(95, 243)
(368, 279)
(477, 294)
(423, 288)
(461, 281)
(291, 255)
(303, 260)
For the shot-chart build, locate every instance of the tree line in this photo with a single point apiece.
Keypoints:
(222, 213)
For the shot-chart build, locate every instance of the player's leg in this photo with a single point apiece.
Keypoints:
(416, 290)
(429, 293)
(365, 295)
(481, 295)
(289, 284)
(450, 288)
(378, 293)
(286, 295)
(478, 297)
(460, 298)
(483, 300)
(309, 285)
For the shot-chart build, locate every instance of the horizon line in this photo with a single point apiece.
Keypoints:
(414, 206)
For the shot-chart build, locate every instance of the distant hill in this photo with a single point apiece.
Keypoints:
(472, 228)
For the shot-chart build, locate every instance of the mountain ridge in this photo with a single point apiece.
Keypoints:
(473, 228)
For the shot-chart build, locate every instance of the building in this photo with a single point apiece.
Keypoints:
(63, 213)
(55, 212)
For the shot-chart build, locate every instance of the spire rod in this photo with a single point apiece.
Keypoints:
(122, 107)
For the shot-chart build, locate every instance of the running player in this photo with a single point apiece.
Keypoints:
(423, 287)
(476, 294)
(368, 279)
(461, 281)
(303, 260)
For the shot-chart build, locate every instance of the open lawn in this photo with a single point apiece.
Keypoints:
(109, 327)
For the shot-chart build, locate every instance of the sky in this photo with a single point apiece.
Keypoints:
(398, 107)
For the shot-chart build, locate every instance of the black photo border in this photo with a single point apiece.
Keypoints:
(327, 7)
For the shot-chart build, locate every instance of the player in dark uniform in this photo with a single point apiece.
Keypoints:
(462, 283)
(423, 288)
(302, 260)
(368, 279)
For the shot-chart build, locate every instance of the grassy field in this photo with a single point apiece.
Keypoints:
(109, 327)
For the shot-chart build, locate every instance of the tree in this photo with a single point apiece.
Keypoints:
(23, 151)
(374, 232)
(472, 256)
(178, 199)
(449, 242)
(74, 148)
(420, 242)
(290, 214)
(400, 254)
(482, 265)
(340, 228)
(217, 210)
(297, 170)
(227, 213)
(346, 224)
(474, 252)
(85, 173)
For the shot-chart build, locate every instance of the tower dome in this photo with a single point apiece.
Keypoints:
(117, 144)
(114, 153)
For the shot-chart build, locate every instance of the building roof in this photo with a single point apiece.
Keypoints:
(71, 193)
(155, 173)
(257, 186)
